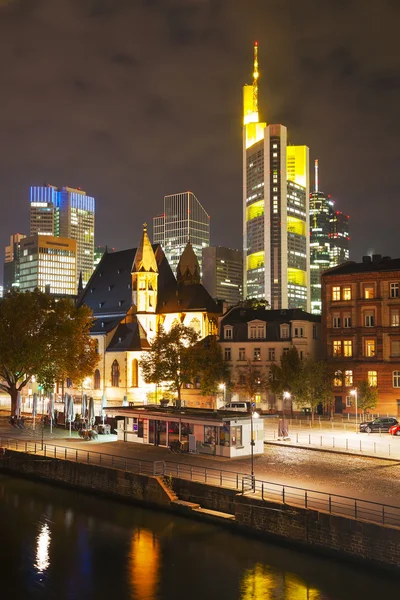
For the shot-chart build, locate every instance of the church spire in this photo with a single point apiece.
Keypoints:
(145, 259)
(188, 270)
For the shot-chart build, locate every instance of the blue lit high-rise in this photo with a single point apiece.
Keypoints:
(66, 212)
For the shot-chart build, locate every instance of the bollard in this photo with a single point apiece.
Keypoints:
(347, 444)
(309, 438)
(65, 454)
(297, 438)
(375, 447)
(320, 441)
(333, 442)
(360, 446)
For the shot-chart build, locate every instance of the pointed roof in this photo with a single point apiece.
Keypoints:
(188, 270)
(80, 284)
(145, 259)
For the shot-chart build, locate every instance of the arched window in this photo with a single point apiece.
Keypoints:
(115, 374)
(96, 380)
(135, 374)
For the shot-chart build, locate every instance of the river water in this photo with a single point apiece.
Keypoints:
(60, 544)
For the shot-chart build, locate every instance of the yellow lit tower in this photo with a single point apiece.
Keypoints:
(145, 284)
(275, 209)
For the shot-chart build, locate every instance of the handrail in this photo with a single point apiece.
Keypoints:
(268, 491)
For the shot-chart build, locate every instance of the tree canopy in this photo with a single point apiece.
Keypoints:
(171, 359)
(42, 337)
(367, 395)
(308, 381)
(250, 380)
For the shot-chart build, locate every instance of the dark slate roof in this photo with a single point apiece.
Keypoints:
(109, 290)
(244, 315)
(377, 263)
(128, 336)
(188, 297)
(104, 325)
(239, 318)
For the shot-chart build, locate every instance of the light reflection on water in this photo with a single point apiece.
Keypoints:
(62, 545)
(42, 549)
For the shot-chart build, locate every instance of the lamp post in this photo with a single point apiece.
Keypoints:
(354, 393)
(253, 415)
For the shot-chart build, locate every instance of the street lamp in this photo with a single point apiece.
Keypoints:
(354, 393)
(253, 415)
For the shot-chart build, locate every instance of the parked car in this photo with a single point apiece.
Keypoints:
(379, 424)
(239, 406)
(395, 429)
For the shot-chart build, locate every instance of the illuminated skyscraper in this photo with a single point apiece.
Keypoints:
(340, 237)
(321, 210)
(329, 239)
(223, 273)
(275, 210)
(11, 262)
(184, 220)
(48, 263)
(69, 213)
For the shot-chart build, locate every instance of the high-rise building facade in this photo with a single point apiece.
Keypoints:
(184, 219)
(98, 254)
(11, 262)
(275, 210)
(223, 273)
(49, 264)
(340, 237)
(66, 212)
(329, 239)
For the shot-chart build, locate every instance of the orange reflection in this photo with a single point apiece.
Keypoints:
(144, 565)
(262, 583)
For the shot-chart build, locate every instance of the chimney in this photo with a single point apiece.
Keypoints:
(376, 258)
(366, 260)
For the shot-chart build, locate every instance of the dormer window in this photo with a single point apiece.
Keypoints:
(228, 332)
(284, 331)
(110, 287)
(102, 324)
(101, 304)
(256, 331)
(120, 303)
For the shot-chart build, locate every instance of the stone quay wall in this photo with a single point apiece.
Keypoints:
(336, 536)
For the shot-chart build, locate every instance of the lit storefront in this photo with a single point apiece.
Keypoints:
(200, 431)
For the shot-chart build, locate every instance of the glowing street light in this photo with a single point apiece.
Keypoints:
(254, 415)
(354, 393)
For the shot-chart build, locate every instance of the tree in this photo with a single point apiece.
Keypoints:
(313, 385)
(286, 377)
(42, 337)
(367, 395)
(250, 380)
(171, 359)
(255, 303)
(212, 369)
(76, 351)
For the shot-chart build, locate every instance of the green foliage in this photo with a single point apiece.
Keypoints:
(286, 377)
(211, 367)
(314, 384)
(254, 303)
(250, 379)
(367, 396)
(171, 359)
(308, 381)
(42, 337)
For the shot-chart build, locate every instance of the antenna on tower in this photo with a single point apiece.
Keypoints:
(255, 78)
(316, 175)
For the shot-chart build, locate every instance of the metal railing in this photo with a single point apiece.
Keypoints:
(360, 444)
(287, 495)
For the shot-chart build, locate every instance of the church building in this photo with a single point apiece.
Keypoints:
(132, 293)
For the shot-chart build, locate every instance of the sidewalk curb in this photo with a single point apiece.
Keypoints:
(332, 451)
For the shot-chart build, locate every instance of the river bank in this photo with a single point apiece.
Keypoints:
(308, 529)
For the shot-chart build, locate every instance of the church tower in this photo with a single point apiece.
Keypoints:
(188, 270)
(145, 284)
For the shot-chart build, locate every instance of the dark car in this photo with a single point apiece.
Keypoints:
(380, 424)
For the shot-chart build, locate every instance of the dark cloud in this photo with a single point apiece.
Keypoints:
(132, 100)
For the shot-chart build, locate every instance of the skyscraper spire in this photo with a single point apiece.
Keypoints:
(316, 175)
(255, 79)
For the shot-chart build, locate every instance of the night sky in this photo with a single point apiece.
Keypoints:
(134, 99)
